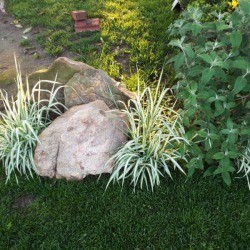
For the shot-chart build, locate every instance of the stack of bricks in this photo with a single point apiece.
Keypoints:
(82, 23)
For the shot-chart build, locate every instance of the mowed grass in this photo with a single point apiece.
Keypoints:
(197, 214)
(133, 33)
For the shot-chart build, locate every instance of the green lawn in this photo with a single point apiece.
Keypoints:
(197, 214)
(133, 33)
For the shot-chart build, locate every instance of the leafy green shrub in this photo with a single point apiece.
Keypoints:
(20, 124)
(156, 141)
(213, 69)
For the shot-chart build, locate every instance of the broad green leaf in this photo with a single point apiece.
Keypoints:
(191, 112)
(245, 131)
(186, 121)
(183, 95)
(199, 164)
(170, 60)
(175, 43)
(207, 74)
(196, 29)
(233, 154)
(248, 104)
(210, 171)
(240, 64)
(190, 134)
(219, 73)
(191, 171)
(202, 133)
(225, 65)
(188, 50)
(196, 70)
(225, 131)
(214, 136)
(206, 58)
(226, 178)
(236, 39)
(230, 123)
(239, 84)
(191, 101)
(245, 6)
(221, 27)
(221, 98)
(229, 105)
(203, 95)
(209, 26)
(193, 87)
(179, 60)
(232, 138)
(211, 99)
(218, 109)
(219, 170)
(208, 144)
(218, 156)
(226, 165)
(186, 27)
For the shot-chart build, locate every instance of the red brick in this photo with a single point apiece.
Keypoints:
(79, 15)
(87, 25)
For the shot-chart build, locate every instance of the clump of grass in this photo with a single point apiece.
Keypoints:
(156, 141)
(21, 122)
(25, 43)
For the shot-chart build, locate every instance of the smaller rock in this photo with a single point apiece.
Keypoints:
(61, 70)
(93, 84)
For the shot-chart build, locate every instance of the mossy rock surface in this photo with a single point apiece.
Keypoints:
(7, 76)
(61, 70)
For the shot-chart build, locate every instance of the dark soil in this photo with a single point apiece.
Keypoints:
(23, 201)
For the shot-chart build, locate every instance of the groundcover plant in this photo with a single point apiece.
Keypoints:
(22, 120)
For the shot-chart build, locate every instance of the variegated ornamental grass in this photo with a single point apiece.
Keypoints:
(243, 163)
(156, 142)
(21, 122)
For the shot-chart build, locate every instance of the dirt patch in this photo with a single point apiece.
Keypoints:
(23, 201)
(30, 56)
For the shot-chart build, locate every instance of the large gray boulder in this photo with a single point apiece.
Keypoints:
(80, 142)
